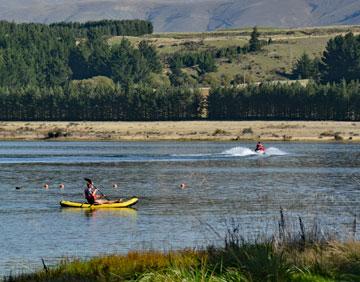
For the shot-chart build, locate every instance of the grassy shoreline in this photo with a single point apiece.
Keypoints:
(303, 255)
(295, 260)
(312, 131)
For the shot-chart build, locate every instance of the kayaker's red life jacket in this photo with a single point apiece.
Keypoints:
(260, 147)
(89, 196)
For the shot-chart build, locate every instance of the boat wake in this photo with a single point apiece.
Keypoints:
(91, 159)
(239, 152)
(243, 152)
(272, 151)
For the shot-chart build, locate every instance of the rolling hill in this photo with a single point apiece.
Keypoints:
(273, 63)
(188, 15)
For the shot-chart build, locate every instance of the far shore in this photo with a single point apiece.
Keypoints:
(312, 131)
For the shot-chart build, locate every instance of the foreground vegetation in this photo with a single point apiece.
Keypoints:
(303, 256)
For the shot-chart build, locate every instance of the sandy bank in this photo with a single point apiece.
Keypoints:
(183, 130)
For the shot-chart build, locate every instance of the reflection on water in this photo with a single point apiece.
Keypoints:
(223, 181)
(111, 212)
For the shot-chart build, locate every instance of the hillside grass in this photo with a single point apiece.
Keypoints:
(273, 63)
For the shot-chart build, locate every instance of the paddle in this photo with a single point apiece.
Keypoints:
(102, 193)
(115, 201)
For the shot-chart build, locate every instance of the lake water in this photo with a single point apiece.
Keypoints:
(224, 181)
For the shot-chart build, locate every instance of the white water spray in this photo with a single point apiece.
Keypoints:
(272, 151)
(243, 152)
(239, 152)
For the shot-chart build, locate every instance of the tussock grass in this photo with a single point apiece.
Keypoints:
(304, 255)
(133, 266)
(333, 261)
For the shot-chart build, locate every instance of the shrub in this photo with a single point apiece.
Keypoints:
(287, 137)
(247, 131)
(220, 132)
(338, 137)
(57, 133)
(329, 133)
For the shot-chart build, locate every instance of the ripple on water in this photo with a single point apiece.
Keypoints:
(223, 181)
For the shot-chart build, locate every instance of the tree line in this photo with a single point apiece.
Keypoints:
(107, 27)
(105, 100)
(93, 101)
(271, 101)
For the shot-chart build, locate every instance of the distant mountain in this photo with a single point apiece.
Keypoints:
(188, 15)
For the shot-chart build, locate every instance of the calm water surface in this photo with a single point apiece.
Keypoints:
(224, 181)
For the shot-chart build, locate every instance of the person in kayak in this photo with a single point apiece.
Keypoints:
(259, 147)
(92, 196)
(90, 193)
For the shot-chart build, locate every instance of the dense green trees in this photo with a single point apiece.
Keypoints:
(99, 99)
(67, 71)
(34, 54)
(341, 59)
(281, 101)
(205, 60)
(107, 27)
(306, 68)
(151, 56)
(41, 55)
(206, 63)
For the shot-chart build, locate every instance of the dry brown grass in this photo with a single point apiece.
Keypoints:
(333, 257)
(186, 130)
(275, 62)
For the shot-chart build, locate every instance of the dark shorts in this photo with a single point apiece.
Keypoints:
(90, 200)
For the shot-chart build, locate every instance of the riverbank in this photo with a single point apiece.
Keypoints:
(183, 130)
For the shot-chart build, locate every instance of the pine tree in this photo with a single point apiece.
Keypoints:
(341, 59)
(206, 63)
(254, 42)
(78, 63)
(305, 67)
(151, 56)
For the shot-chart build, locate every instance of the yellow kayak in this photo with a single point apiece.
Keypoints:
(122, 204)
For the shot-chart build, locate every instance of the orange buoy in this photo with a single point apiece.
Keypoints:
(61, 186)
(46, 186)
